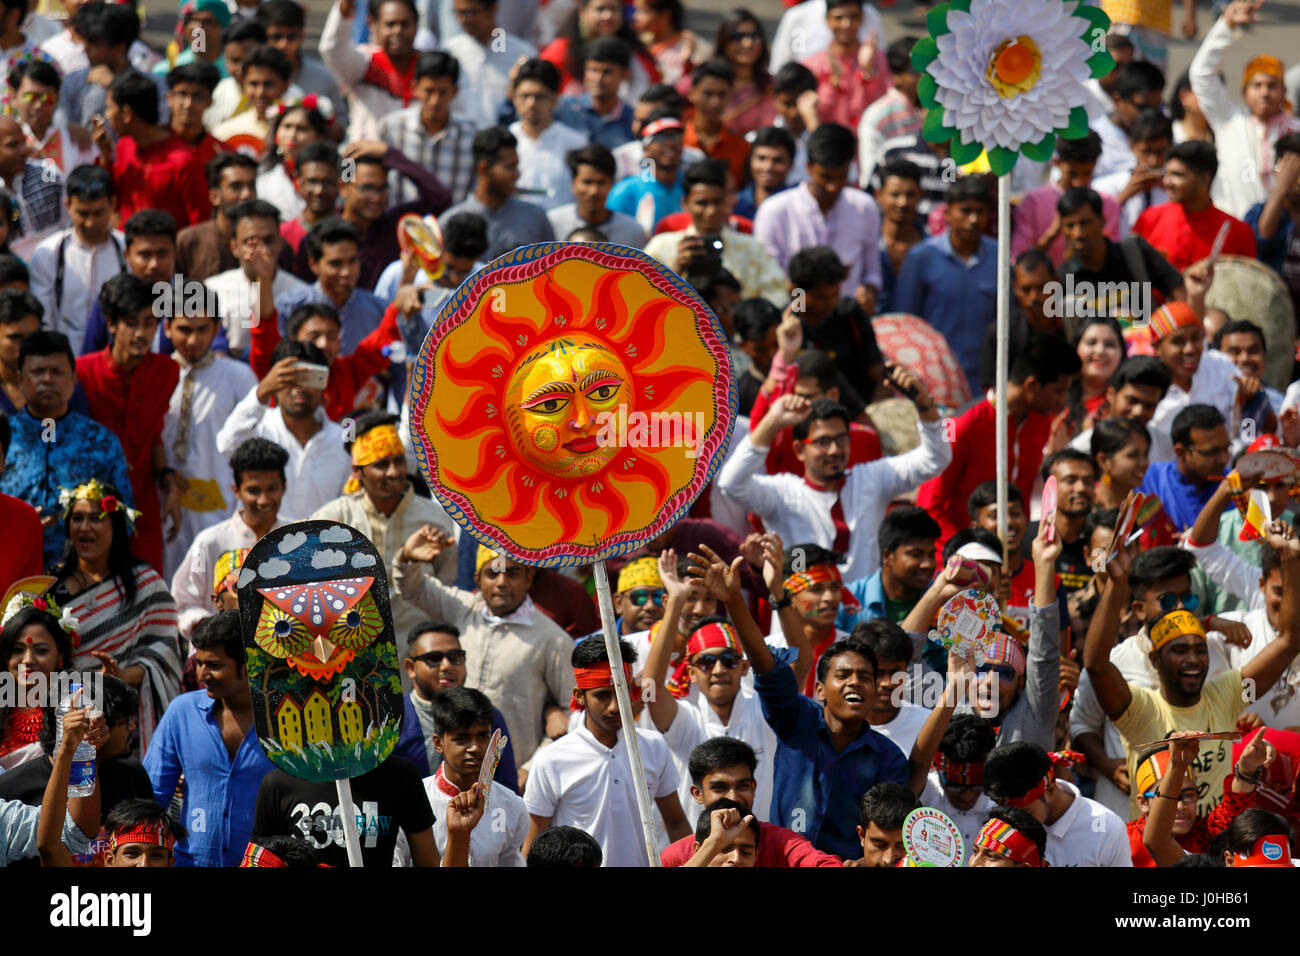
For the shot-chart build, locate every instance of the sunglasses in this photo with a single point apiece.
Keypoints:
(730, 660)
(740, 36)
(434, 658)
(1169, 600)
(46, 98)
(952, 787)
(1189, 795)
(642, 598)
(1004, 671)
(91, 190)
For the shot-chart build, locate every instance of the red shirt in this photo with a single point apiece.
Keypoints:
(167, 175)
(207, 147)
(347, 374)
(730, 148)
(1185, 238)
(293, 233)
(973, 441)
(1203, 831)
(132, 406)
(25, 539)
(777, 846)
(1022, 594)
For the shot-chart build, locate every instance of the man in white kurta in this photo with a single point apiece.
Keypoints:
(206, 394)
(485, 54)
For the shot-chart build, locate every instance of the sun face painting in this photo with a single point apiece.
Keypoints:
(523, 393)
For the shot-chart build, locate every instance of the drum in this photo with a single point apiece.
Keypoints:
(1248, 289)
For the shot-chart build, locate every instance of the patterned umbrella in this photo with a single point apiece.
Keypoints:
(910, 341)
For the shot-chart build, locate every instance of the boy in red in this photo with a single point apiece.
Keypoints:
(129, 387)
(1183, 230)
(1037, 386)
(152, 167)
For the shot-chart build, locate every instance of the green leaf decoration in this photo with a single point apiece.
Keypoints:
(1096, 20)
(1078, 127)
(924, 52)
(1002, 160)
(963, 153)
(936, 21)
(926, 91)
(1041, 152)
(1101, 64)
(933, 130)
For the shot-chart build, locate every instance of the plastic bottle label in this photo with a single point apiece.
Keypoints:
(82, 773)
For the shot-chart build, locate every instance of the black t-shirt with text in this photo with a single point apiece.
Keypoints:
(388, 798)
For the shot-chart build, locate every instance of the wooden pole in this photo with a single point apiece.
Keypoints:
(643, 807)
(348, 811)
(1003, 328)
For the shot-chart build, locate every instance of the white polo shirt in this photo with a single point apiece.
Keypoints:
(579, 782)
(697, 722)
(1087, 834)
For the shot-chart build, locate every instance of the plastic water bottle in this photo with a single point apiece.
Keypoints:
(81, 779)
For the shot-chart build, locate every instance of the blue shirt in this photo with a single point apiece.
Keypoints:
(958, 298)
(870, 593)
(1271, 252)
(611, 132)
(816, 789)
(747, 205)
(68, 452)
(361, 314)
(219, 796)
(626, 196)
(1183, 499)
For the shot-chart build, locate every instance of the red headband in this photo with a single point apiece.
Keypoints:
(818, 574)
(154, 834)
(1059, 758)
(1272, 850)
(718, 634)
(970, 773)
(600, 675)
(1005, 840)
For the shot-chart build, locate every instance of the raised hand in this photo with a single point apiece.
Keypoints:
(726, 825)
(1255, 755)
(1183, 748)
(465, 810)
(773, 563)
(674, 584)
(425, 544)
(752, 549)
(721, 581)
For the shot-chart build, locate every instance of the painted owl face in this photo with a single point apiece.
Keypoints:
(318, 628)
(322, 658)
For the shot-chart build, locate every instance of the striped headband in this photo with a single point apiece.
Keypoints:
(256, 855)
(1170, 316)
(1000, 837)
(153, 834)
(1059, 758)
(1152, 769)
(1005, 649)
(819, 574)
(665, 125)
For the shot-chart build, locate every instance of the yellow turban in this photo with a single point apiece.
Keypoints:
(1151, 770)
(1263, 64)
(641, 573)
(483, 558)
(1173, 625)
(227, 570)
(375, 445)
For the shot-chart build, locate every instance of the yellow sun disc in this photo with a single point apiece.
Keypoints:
(1015, 66)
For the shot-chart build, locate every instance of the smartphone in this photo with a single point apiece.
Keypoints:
(312, 375)
(708, 262)
(908, 390)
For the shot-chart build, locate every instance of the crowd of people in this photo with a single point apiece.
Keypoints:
(791, 708)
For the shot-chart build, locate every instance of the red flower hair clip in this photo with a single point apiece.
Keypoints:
(109, 504)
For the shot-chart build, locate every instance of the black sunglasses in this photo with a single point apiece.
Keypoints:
(730, 660)
(1169, 600)
(434, 658)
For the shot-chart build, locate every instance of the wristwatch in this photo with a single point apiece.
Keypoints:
(1253, 781)
(784, 601)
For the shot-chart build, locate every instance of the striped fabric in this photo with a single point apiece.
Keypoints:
(143, 633)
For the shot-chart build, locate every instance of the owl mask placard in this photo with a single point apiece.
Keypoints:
(322, 658)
